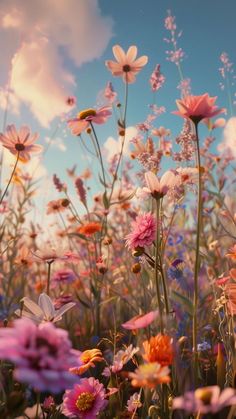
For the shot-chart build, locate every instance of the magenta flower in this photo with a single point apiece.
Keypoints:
(85, 400)
(144, 230)
(205, 400)
(42, 355)
(87, 116)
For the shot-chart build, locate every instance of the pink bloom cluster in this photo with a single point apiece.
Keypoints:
(144, 229)
(42, 354)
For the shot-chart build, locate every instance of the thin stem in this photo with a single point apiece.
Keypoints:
(157, 268)
(9, 182)
(49, 276)
(100, 155)
(126, 102)
(197, 259)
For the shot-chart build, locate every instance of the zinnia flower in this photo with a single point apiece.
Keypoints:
(126, 66)
(149, 375)
(144, 230)
(42, 354)
(85, 117)
(197, 108)
(85, 400)
(159, 349)
(21, 142)
(205, 400)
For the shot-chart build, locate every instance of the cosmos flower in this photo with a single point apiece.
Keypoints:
(197, 108)
(144, 230)
(21, 142)
(83, 119)
(149, 375)
(85, 400)
(44, 311)
(159, 188)
(159, 349)
(58, 205)
(205, 400)
(127, 66)
(140, 321)
(88, 359)
(42, 354)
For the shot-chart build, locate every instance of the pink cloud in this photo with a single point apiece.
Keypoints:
(32, 37)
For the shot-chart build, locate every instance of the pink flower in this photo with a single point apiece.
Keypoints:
(85, 400)
(42, 354)
(63, 276)
(126, 66)
(197, 108)
(109, 93)
(144, 229)
(87, 116)
(159, 188)
(143, 320)
(157, 79)
(21, 142)
(205, 400)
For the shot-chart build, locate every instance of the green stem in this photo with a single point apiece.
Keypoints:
(9, 182)
(157, 268)
(197, 260)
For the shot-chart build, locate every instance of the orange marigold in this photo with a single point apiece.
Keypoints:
(90, 228)
(159, 349)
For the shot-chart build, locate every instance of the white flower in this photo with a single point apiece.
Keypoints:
(122, 357)
(44, 311)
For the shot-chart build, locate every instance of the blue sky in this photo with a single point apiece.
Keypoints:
(208, 30)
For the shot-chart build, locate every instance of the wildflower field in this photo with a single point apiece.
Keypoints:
(118, 274)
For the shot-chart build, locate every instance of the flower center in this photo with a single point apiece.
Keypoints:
(86, 113)
(19, 146)
(126, 68)
(204, 395)
(85, 401)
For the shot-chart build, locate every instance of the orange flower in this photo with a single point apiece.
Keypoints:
(88, 359)
(232, 254)
(159, 349)
(150, 375)
(90, 228)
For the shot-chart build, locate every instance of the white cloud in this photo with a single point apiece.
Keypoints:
(56, 143)
(37, 37)
(229, 137)
(112, 146)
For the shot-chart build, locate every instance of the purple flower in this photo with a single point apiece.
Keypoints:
(85, 400)
(144, 230)
(205, 400)
(42, 354)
